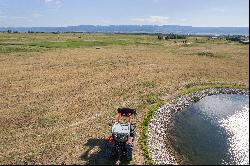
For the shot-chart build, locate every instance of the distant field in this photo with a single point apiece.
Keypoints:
(43, 41)
(36, 42)
(58, 92)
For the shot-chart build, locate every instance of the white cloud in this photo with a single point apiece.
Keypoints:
(53, 4)
(56, 2)
(48, 1)
(53, 1)
(152, 20)
(183, 20)
(36, 15)
(217, 9)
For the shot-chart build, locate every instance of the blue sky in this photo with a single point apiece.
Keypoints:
(224, 13)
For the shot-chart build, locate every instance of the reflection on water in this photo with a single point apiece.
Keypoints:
(214, 130)
(238, 126)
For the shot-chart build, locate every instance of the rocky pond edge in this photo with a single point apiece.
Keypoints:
(158, 150)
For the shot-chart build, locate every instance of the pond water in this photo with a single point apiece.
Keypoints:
(214, 130)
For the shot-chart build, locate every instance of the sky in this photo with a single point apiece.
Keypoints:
(201, 13)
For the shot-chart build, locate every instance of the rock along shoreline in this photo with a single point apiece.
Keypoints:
(157, 147)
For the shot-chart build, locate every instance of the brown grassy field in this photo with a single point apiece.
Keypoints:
(56, 103)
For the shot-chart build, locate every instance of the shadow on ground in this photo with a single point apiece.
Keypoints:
(96, 153)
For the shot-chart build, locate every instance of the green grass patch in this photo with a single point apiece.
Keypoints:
(19, 48)
(211, 84)
(149, 84)
(71, 44)
(79, 44)
(153, 103)
(153, 98)
(144, 129)
(213, 55)
(205, 53)
(43, 41)
(194, 89)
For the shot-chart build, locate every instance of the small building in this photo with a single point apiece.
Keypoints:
(214, 37)
(244, 41)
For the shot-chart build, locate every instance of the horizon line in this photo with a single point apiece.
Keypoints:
(125, 25)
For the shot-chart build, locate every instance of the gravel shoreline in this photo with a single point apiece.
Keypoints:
(159, 151)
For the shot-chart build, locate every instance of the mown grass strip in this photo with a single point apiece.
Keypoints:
(144, 129)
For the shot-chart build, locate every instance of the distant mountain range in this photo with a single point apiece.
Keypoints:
(138, 29)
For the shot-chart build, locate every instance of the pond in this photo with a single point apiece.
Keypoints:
(214, 130)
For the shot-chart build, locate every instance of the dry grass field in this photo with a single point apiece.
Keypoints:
(58, 93)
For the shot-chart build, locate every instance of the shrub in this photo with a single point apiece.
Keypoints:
(204, 53)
